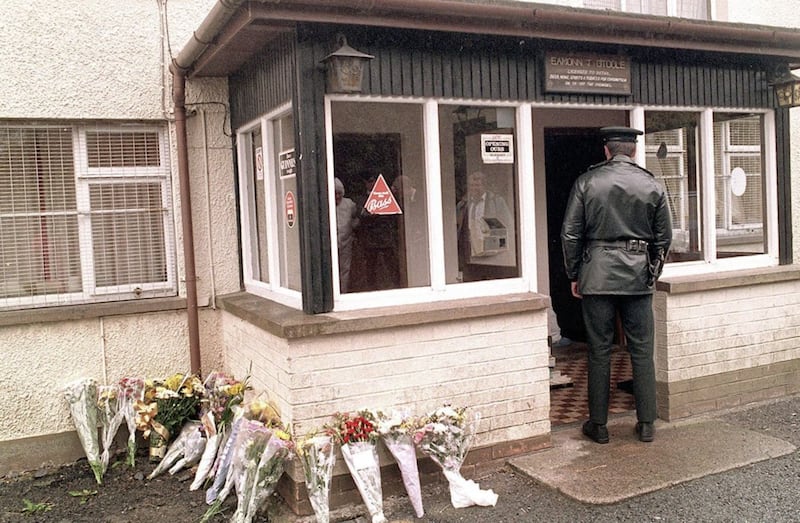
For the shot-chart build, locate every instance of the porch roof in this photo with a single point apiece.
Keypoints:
(234, 30)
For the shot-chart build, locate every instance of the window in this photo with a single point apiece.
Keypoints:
(479, 192)
(379, 159)
(697, 9)
(738, 184)
(270, 237)
(713, 166)
(85, 214)
(671, 155)
(426, 199)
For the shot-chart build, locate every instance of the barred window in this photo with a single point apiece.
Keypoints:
(85, 214)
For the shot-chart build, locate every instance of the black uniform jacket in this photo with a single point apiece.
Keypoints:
(611, 203)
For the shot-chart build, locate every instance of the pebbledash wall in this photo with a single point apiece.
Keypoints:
(99, 60)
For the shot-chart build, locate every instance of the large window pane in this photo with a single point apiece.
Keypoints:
(479, 192)
(671, 155)
(379, 158)
(738, 184)
(286, 206)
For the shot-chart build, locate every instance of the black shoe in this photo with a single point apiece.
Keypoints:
(646, 431)
(595, 432)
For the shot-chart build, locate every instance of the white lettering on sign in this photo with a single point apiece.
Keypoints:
(497, 148)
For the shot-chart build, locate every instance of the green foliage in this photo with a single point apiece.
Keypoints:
(35, 508)
(82, 494)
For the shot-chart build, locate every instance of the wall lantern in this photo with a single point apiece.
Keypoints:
(345, 68)
(787, 88)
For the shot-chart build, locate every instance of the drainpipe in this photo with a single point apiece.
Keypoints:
(219, 15)
(179, 102)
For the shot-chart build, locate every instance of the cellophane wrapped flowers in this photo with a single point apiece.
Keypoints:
(317, 454)
(167, 405)
(223, 394)
(445, 435)
(130, 391)
(260, 446)
(82, 398)
(110, 416)
(358, 438)
(397, 430)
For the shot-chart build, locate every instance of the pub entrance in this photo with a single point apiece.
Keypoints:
(569, 152)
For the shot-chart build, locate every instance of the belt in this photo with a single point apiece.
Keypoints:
(628, 245)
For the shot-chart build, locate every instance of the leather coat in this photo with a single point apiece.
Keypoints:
(613, 202)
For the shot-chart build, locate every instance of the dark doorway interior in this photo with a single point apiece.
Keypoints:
(568, 153)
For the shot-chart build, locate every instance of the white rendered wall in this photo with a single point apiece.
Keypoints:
(92, 59)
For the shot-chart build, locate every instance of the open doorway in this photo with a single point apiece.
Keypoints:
(569, 152)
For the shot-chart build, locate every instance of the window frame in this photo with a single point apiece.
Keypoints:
(439, 289)
(244, 150)
(707, 198)
(84, 178)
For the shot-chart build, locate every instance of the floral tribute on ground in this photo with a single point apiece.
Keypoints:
(397, 431)
(445, 435)
(317, 454)
(358, 438)
(243, 447)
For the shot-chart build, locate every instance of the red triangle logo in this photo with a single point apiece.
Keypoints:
(381, 200)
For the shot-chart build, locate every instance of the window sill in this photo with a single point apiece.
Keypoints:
(728, 279)
(288, 323)
(91, 310)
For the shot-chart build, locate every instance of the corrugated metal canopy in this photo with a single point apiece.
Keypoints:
(234, 30)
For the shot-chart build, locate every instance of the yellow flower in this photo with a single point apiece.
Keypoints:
(174, 381)
(235, 390)
(285, 436)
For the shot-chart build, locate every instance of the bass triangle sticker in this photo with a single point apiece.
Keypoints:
(381, 200)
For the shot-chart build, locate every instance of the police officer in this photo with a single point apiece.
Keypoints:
(615, 236)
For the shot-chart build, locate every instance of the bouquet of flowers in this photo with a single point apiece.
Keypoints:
(166, 407)
(397, 430)
(186, 444)
(82, 398)
(445, 435)
(357, 435)
(317, 454)
(130, 390)
(110, 418)
(222, 395)
(258, 447)
(262, 469)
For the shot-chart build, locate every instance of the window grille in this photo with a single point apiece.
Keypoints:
(85, 214)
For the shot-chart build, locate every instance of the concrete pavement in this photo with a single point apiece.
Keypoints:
(626, 467)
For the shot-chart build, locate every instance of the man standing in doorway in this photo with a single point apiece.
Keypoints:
(615, 237)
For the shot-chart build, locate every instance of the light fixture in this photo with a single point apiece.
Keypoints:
(787, 88)
(345, 68)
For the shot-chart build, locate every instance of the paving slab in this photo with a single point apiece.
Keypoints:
(626, 467)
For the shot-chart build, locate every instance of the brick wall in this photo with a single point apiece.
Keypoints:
(719, 348)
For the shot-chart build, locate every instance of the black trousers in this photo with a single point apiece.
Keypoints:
(636, 313)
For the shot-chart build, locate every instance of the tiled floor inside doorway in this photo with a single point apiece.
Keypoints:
(568, 404)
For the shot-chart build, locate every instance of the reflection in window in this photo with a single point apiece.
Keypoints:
(479, 192)
(738, 184)
(671, 155)
(379, 160)
(260, 266)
